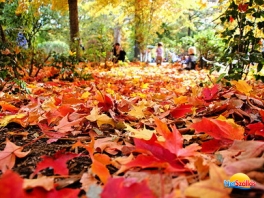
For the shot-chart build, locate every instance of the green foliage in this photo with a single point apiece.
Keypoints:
(98, 40)
(11, 60)
(68, 67)
(58, 47)
(242, 22)
(208, 44)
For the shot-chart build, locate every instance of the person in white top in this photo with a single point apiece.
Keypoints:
(159, 52)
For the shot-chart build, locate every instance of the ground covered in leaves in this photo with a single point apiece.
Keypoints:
(133, 131)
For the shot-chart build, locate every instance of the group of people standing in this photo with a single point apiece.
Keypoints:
(189, 62)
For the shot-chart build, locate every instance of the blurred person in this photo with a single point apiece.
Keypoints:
(190, 61)
(159, 54)
(118, 53)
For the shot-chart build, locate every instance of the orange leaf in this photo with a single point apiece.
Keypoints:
(9, 154)
(98, 166)
(242, 86)
(100, 170)
(219, 129)
(6, 106)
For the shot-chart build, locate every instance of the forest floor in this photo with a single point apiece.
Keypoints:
(133, 131)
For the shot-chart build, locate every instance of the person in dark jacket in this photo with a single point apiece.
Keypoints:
(118, 53)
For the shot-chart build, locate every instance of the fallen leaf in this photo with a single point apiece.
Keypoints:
(11, 185)
(137, 112)
(144, 133)
(98, 167)
(242, 86)
(105, 101)
(213, 145)
(65, 126)
(42, 193)
(99, 118)
(45, 182)
(10, 118)
(213, 187)
(87, 180)
(181, 111)
(9, 154)
(8, 107)
(57, 162)
(129, 188)
(219, 129)
(210, 93)
(256, 129)
(174, 141)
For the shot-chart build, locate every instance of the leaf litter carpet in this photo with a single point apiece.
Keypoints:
(133, 131)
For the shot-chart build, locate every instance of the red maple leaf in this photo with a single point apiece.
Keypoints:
(63, 193)
(126, 187)
(11, 185)
(158, 156)
(261, 113)
(256, 129)
(105, 101)
(210, 93)
(214, 145)
(57, 162)
(174, 141)
(243, 7)
(181, 110)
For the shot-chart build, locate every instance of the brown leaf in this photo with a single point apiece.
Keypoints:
(45, 182)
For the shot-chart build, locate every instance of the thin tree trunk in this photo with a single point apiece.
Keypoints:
(2, 33)
(74, 26)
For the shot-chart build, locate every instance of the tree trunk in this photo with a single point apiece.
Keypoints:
(117, 34)
(137, 50)
(2, 33)
(74, 26)
(189, 29)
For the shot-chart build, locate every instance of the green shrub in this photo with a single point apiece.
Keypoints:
(54, 46)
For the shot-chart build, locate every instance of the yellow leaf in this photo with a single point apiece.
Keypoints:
(104, 119)
(137, 112)
(93, 114)
(145, 86)
(49, 104)
(242, 86)
(9, 118)
(100, 119)
(85, 95)
(213, 187)
(140, 133)
(180, 100)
